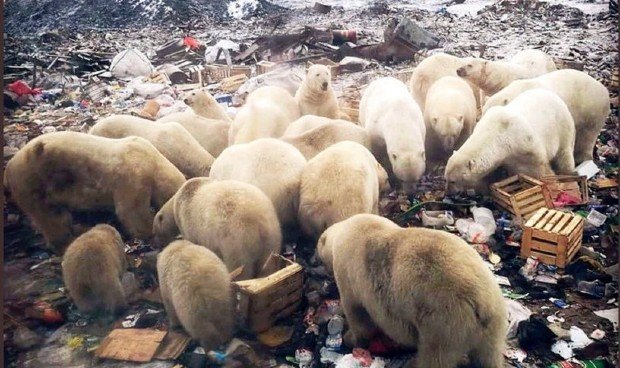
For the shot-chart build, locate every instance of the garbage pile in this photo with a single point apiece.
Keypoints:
(57, 80)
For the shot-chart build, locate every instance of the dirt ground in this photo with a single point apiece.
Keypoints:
(584, 38)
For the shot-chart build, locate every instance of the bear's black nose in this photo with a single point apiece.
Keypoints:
(460, 72)
(186, 101)
(324, 86)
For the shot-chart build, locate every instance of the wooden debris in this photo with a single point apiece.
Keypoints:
(132, 344)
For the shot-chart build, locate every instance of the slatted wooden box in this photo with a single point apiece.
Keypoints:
(264, 300)
(576, 186)
(218, 72)
(552, 236)
(521, 195)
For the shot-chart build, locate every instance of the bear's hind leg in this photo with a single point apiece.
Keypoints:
(564, 163)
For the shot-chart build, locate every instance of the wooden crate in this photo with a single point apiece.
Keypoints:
(218, 72)
(521, 195)
(575, 185)
(265, 66)
(552, 236)
(264, 300)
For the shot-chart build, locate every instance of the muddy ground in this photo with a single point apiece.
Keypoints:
(32, 273)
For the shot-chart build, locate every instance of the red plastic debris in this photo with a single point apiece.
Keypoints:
(21, 88)
(566, 198)
(45, 312)
(191, 42)
(363, 356)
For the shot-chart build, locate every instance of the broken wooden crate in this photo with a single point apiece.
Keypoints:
(576, 186)
(264, 300)
(521, 195)
(265, 66)
(218, 72)
(552, 236)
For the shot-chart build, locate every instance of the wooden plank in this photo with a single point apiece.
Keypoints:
(534, 206)
(543, 246)
(544, 258)
(563, 221)
(513, 188)
(553, 220)
(506, 181)
(527, 192)
(544, 220)
(523, 202)
(500, 192)
(561, 252)
(525, 241)
(132, 344)
(531, 180)
(534, 219)
(573, 251)
(577, 233)
(571, 225)
(545, 236)
(173, 345)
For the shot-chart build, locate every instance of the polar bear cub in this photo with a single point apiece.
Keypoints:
(586, 98)
(235, 220)
(271, 165)
(533, 135)
(196, 291)
(423, 288)
(339, 182)
(396, 127)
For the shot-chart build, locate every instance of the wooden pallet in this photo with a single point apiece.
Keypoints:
(264, 300)
(552, 236)
(218, 72)
(521, 195)
(576, 186)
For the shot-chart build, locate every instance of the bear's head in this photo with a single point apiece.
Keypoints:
(318, 78)
(199, 98)
(460, 173)
(448, 129)
(324, 249)
(473, 68)
(165, 228)
(408, 165)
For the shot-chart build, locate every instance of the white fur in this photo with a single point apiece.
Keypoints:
(210, 133)
(308, 122)
(395, 124)
(450, 115)
(586, 99)
(273, 166)
(533, 135)
(268, 111)
(316, 96)
(339, 182)
(535, 61)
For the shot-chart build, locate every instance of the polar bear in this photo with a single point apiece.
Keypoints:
(587, 100)
(449, 115)
(171, 140)
(271, 165)
(235, 220)
(60, 172)
(268, 111)
(339, 182)
(396, 127)
(92, 268)
(533, 135)
(432, 69)
(315, 140)
(205, 105)
(423, 288)
(316, 96)
(196, 291)
(493, 76)
(308, 122)
(535, 61)
(210, 133)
